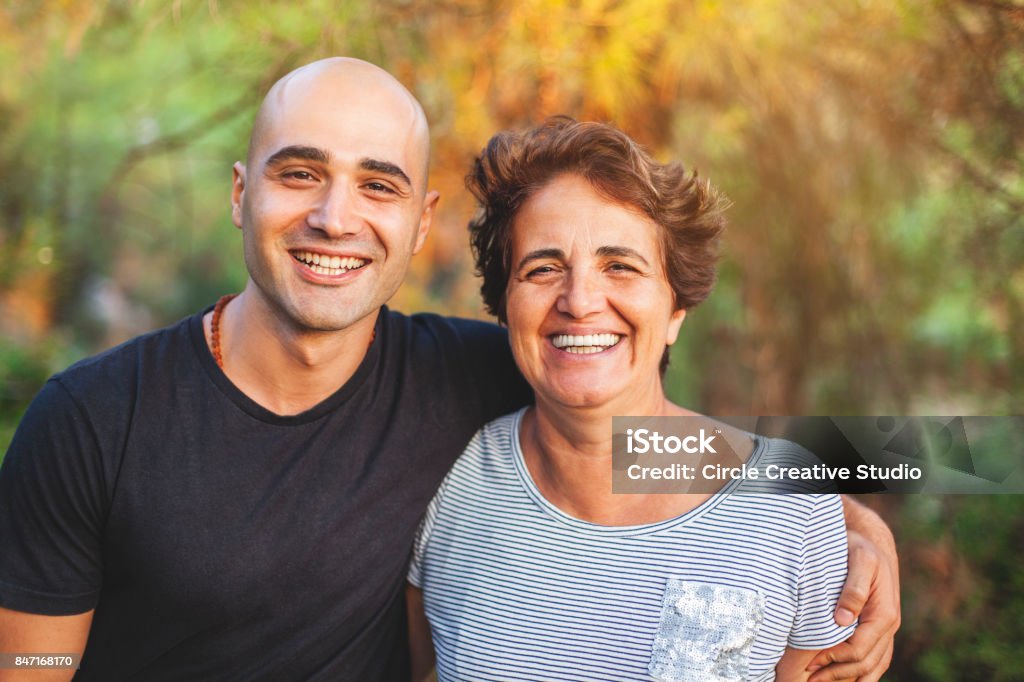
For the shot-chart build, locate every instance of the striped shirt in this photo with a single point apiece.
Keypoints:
(515, 589)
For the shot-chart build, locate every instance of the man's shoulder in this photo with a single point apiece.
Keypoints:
(92, 403)
(468, 360)
(120, 366)
(445, 332)
(430, 321)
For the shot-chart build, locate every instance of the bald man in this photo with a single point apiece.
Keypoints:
(235, 497)
(184, 518)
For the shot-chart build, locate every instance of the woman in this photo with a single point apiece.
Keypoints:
(531, 568)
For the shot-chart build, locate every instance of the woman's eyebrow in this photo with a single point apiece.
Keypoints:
(541, 254)
(622, 252)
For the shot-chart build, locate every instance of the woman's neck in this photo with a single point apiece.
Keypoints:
(568, 452)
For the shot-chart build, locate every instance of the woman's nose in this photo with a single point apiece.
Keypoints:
(582, 295)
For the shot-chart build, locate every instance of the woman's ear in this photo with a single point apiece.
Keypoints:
(675, 321)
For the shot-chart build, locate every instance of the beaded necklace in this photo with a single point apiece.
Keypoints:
(218, 311)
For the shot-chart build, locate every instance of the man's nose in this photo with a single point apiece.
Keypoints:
(582, 294)
(334, 214)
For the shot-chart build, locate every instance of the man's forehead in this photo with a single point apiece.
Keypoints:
(342, 134)
(353, 110)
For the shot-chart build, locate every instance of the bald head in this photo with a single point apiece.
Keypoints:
(346, 87)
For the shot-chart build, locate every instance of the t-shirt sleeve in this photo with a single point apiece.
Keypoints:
(822, 574)
(422, 542)
(51, 509)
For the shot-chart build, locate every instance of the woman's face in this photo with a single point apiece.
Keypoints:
(588, 303)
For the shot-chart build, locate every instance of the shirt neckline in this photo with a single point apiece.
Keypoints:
(257, 411)
(589, 528)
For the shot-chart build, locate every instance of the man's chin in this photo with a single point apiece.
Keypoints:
(307, 309)
(326, 318)
(326, 324)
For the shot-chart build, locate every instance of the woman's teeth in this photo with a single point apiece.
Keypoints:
(587, 343)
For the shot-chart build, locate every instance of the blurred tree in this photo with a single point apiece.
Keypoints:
(845, 134)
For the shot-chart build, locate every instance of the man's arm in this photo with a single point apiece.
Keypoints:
(51, 503)
(872, 593)
(28, 633)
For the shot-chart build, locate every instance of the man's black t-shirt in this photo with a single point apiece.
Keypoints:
(218, 540)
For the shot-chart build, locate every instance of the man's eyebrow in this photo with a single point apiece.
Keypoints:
(622, 252)
(299, 153)
(387, 168)
(540, 254)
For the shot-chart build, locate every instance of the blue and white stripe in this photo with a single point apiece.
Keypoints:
(515, 589)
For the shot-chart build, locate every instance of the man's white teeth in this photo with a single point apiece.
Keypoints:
(323, 264)
(587, 343)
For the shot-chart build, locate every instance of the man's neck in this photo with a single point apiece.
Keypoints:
(282, 368)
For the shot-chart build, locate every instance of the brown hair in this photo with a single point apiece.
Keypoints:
(515, 165)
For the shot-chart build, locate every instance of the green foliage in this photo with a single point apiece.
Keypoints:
(964, 590)
(23, 370)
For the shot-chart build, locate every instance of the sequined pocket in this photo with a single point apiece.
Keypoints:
(706, 632)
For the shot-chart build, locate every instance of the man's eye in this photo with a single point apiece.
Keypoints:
(379, 187)
(299, 175)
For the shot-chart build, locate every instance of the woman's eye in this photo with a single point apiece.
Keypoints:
(621, 267)
(542, 270)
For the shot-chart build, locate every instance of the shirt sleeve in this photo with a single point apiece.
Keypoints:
(822, 574)
(422, 542)
(51, 509)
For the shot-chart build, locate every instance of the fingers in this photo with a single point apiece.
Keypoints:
(865, 656)
(845, 661)
(861, 575)
(871, 593)
(883, 665)
(880, 618)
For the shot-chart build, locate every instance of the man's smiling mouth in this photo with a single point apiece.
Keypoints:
(323, 264)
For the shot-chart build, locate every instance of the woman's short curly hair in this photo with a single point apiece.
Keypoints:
(515, 165)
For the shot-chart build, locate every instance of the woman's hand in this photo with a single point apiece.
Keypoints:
(872, 592)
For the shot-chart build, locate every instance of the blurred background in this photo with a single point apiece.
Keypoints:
(872, 151)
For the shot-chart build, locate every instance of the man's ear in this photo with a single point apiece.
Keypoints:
(426, 218)
(237, 192)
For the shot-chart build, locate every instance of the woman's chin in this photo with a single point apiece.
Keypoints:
(585, 395)
(589, 390)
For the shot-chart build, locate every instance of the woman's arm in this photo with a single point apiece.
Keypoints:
(872, 592)
(421, 645)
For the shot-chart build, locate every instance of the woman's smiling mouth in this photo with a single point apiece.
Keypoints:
(584, 344)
